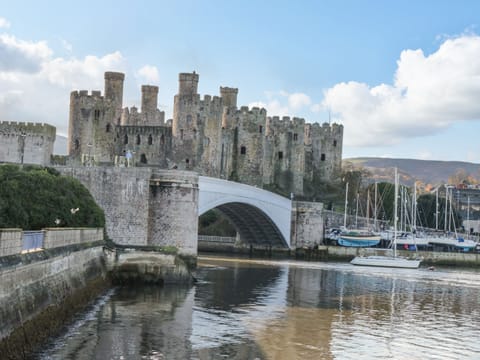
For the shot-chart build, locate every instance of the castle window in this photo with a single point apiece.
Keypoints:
(150, 139)
(187, 161)
(162, 139)
(295, 137)
(77, 144)
(280, 155)
(322, 157)
(96, 114)
(189, 119)
(334, 142)
(181, 134)
(143, 159)
(194, 133)
(125, 139)
(243, 150)
(138, 139)
(260, 129)
(108, 128)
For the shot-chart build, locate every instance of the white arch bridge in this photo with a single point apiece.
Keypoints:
(260, 217)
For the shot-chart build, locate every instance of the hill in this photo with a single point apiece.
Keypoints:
(431, 172)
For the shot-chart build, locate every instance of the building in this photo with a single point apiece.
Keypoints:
(26, 143)
(210, 135)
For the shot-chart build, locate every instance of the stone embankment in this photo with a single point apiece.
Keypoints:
(48, 276)
(231, 245)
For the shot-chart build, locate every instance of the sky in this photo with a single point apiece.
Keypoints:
(402, 77)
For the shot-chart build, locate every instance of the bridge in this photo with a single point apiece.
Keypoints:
(259, 216)
(147, 206)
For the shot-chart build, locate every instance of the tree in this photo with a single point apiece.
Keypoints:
(426, 205)
(34, 197)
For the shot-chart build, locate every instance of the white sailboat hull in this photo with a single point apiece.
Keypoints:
(386, 261)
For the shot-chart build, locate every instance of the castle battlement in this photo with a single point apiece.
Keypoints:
(84, 93)
(208, 134)
(27, 128)
(286, 121)
(245, 110)
(209, 100)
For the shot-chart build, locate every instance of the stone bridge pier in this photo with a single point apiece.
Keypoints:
(173, 214)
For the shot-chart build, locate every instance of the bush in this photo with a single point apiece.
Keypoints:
(35, 197)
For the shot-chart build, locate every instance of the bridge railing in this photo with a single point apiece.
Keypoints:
(32, 241)
(218, 239)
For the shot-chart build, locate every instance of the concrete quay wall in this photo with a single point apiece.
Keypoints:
(40, 291)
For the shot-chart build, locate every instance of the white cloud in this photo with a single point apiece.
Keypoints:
(298, 100)
(35, 85)
(273, 107)
(4, 23)
(148, 74)
(20, 55)
(429, 93)
(282, 103)
(66, 45)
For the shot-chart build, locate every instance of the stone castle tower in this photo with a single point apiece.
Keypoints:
(210, 135)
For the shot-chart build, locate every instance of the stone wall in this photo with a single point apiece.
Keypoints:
(145, 206)
(10, 241)
(26, 143)
(36, 286)
(123, 194)
(56, 237)
(307, 224)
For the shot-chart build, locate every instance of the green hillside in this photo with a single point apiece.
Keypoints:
(427, 171)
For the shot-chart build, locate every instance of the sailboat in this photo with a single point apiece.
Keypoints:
(389, 261)
(355, 237)
(449, 239)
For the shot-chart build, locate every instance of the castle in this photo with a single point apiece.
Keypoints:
(26, 143)
(211, 136)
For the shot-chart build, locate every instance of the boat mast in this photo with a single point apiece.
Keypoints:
(368, 207)
(414, 206)
(356, 211)
(436, 209)
(395, 215)
(375, 209)
(346, 204)
(445, 209)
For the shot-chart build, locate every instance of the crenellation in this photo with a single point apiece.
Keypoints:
(26, 143)
(208, 134)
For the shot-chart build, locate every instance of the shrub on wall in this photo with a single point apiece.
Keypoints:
(33, 197)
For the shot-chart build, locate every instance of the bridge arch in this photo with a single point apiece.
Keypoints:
(260, 216)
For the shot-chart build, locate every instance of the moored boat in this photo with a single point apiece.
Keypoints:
(389, 261)
(358, 238)
(386, 261)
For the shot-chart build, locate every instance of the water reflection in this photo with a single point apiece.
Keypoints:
(286, 310)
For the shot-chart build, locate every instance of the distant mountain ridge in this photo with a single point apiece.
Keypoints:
(434, 172)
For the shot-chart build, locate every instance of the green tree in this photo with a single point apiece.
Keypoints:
(34, 197)
(426, 205)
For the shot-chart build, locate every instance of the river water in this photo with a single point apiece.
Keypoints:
(254, 309)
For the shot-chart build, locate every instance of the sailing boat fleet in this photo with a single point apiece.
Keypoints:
(393, 260)
(409, 240)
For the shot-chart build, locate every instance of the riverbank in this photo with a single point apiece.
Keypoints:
(339, 253)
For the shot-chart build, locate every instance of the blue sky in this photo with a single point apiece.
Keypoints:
(402, 77)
